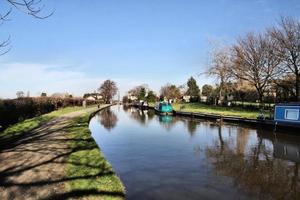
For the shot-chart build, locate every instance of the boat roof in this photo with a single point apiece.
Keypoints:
(288, 104)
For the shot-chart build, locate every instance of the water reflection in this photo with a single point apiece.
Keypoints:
(108, 118)
(253, 167)
(192, 126)
(200, 160)
(166, 121)
(141, 116)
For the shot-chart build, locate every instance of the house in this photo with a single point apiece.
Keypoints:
(90, 98)
(93, 96)
(186, 98)
(287, 113)
(132, 97)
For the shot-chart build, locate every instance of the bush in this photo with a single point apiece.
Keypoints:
(15, 110)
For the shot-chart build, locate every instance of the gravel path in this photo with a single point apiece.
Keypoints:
(34, 167)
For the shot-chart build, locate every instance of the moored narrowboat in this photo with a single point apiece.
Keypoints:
(163, 108)
(287, 114)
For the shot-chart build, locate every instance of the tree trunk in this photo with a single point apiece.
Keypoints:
(260, 98)
(297, 86)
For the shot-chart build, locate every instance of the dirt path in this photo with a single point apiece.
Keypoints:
(34, 167)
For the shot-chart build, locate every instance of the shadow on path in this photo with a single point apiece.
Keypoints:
(33, 164)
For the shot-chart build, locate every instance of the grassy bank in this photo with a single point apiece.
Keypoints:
(97, 176)
(203, 108)
(212, 109)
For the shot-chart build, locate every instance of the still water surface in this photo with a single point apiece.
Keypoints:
(165, 157)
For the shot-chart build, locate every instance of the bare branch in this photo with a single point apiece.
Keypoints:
(30, 7)
(256, 61)
(5, 46)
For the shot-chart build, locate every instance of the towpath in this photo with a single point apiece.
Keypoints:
(34, 166)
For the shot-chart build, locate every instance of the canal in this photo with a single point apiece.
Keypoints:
(165, 157)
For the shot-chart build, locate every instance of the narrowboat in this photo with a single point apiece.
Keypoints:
(163, 108)
(287, 115)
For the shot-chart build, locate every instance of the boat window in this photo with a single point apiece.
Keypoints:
(292, 114)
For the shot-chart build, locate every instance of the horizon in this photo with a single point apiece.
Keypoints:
(133, 42)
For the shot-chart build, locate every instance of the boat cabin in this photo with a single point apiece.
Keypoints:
(164, 108)
(287, 112)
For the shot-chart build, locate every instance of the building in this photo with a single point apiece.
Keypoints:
(132, 97)
(93, 96)
(186, 98)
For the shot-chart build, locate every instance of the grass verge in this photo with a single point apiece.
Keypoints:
(86, 161)
(227, 111)
(212, 109)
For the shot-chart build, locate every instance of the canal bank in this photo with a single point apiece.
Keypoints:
(291, 128)
(55, 157)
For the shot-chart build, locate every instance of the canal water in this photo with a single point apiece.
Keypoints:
(165, 157)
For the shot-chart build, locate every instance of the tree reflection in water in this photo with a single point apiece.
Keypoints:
(255, 170)
(108, 118)
(192, 126)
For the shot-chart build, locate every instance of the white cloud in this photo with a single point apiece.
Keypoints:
(38, 78)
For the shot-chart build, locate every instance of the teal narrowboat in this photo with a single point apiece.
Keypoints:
(164, 108)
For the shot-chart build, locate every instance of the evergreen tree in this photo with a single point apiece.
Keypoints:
(142, 94)
(193, 89)
(151, 96)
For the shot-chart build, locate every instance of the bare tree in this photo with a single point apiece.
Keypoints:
(256, 62)
(108, 90)
(137, 89)
(287, 35)
(170, 91)
(220, 66)
(20, 94)
(33, 8)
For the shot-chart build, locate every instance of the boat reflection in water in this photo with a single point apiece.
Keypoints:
(200, 159)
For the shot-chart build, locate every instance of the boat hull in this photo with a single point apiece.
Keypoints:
(163, 113)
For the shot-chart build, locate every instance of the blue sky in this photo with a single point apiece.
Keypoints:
(129, 41)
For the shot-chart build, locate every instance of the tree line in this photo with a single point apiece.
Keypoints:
(168, 91)
(267, 62)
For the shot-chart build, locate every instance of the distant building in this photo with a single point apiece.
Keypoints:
(203, 98)
(186, 98)
(132, 97)
(93, 96)
(90, 98)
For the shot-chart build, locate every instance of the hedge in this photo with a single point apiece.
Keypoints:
(15, 110)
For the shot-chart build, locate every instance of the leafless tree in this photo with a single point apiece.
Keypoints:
(170, 91)
(256, 62)
(220, 66)
(287, 35)
(137, 89)
(108, 90)
(33, 8)
(20, 94)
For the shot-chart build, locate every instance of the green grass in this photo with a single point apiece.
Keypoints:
(251, 103)
(29, 124)
(88, 162)
(211, 109)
